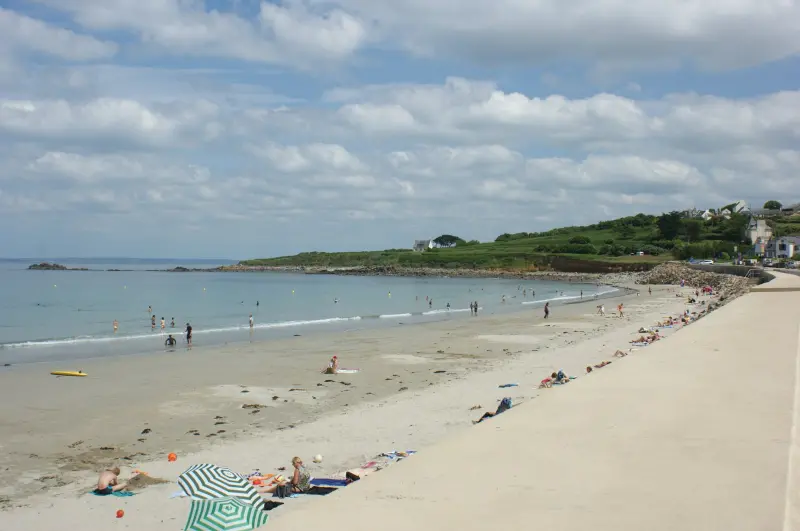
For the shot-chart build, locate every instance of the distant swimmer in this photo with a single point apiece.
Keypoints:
(163, 323)
(153, 322)
(336, 300)
(150, 309)
(581, 294)
(172, 323)
(448, 306)
(257, 303)
(251, 320)
(476, 307)
(430, 303)
(189, 334)
(170, 342)
(116, 325)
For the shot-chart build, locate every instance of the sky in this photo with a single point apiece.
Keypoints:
(245, 128)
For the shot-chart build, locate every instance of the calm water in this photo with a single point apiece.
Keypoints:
(58, 315)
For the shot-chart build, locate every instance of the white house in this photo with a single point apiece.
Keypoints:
(784, 247)
(421, 245)
(758, 228)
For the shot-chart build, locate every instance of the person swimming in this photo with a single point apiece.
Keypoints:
(116, 325)
(170, 342)
(172, 323)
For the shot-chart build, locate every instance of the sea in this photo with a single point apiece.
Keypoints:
(69, 315)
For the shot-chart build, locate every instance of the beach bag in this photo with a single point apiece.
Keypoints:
(283, 491)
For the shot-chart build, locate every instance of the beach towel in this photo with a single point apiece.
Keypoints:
(347, 371)
(118, 494)
(508, 385)
(328, 482)
(637, 344)
(396, 455)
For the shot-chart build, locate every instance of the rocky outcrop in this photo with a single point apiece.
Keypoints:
(47, 266)
(727, 286)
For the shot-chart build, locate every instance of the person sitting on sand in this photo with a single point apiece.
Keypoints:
(108, 482)
(505, 405)
(333, 366)
(300, 482)
(560, 377)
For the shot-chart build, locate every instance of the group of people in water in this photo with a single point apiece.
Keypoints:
(170, 341)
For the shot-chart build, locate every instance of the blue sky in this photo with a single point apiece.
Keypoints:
(244, 128)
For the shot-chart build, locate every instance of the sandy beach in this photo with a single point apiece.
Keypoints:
(257, 405)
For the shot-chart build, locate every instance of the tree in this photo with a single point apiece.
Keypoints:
(669, 225)
(772, 205)
(447, 240)
(693, 229)
(581, 240)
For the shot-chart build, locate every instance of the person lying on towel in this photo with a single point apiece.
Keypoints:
(505, 405)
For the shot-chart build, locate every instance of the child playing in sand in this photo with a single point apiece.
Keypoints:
(333, 366)
(108, 482)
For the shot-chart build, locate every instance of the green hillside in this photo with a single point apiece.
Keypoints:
(607, 245)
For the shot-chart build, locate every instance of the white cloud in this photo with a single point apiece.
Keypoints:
(108, 119)
(282, 34)
(292, 159)
(26, 34)
(611, 33)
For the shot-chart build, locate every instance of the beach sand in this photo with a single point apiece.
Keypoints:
(416, 385)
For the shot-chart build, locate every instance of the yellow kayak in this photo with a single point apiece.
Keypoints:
(68, 373)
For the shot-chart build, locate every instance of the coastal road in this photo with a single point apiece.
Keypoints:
(698, 432)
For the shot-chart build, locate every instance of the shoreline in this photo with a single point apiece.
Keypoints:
(124, 396)
(147, 343)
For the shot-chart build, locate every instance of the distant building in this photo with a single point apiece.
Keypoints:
(758, 229)
(421, 245)
(784, 247)
(791, 209)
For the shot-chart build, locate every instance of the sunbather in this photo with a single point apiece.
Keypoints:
(505, 405)
(546, 383)
(602, 364)
(299, 484)
(620, 354)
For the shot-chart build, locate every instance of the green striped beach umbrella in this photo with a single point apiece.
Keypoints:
(208, 482)
(224, 514)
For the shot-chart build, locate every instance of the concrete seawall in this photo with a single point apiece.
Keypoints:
(698, 432)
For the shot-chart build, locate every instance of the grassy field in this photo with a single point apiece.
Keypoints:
(605, 246)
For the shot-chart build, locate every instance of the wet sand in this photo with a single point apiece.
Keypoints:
(256, 405)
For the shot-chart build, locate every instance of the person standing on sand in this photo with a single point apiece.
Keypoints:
(116, 325)
(620, 309)
(189, 334)
(546, 310)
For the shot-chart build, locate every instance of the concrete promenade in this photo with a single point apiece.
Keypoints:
(697, 432)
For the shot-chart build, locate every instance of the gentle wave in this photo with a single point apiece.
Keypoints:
(177, 332)
(394, 315)
(573, 297)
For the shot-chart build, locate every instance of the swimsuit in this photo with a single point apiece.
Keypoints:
(104, 492)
